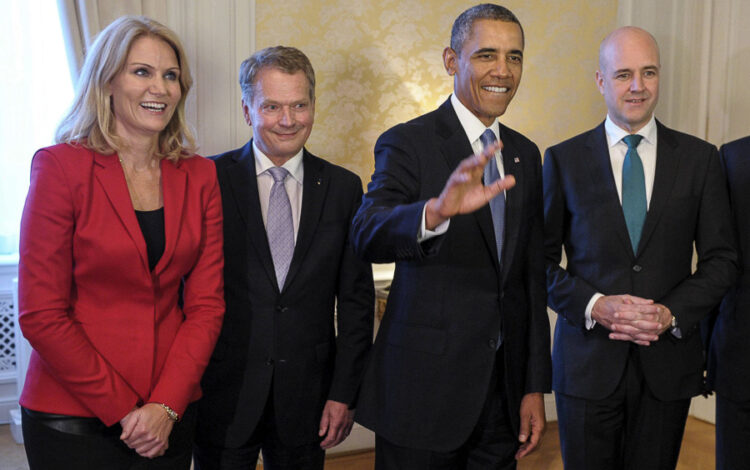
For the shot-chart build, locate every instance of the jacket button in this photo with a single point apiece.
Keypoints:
(269, 361)
(281, 308)
(637, 268)
(492, 344)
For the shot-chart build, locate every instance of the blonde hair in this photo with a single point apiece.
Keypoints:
(90, 121)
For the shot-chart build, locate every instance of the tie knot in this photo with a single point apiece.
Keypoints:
(632, 140)
(278, 173)
(488, 138)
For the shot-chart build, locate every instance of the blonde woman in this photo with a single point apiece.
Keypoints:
(120, 214)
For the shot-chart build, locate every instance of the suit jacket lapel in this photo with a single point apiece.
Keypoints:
(314, 190)
(111, 178)
(600, 168)
(244, 186)
(513, 199)
(665, 174)
(455, 148)
(174, 183)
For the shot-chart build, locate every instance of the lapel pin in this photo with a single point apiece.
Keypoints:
(516, 160)
(317, 182)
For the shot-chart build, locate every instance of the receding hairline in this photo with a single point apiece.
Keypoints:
(611, 39)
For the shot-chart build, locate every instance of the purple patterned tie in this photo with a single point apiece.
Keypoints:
(497, 204)
(279, 226)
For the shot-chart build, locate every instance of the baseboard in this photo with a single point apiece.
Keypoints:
(15, 425)
(550, 408)
(360, 439)
(5, 407)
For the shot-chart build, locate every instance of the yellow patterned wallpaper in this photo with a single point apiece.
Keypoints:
(378, 63)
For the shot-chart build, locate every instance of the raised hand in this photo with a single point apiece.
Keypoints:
(464, 191)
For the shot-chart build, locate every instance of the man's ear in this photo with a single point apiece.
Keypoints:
(450, 61)
(246, 113)
(599, 78)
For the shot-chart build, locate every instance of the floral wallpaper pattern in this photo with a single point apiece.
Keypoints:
(379, 63)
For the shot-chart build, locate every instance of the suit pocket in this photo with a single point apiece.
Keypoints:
(417, 338)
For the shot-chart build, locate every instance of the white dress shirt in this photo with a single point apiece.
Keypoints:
(293, 184)
(474, 128)
(617, 150)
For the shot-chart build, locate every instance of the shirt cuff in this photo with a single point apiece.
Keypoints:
(675, 330)
(425, 234)
(590, 322)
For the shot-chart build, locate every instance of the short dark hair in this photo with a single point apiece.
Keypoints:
(287, 59)
(463, 25)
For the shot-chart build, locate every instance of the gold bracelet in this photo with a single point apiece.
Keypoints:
(170, 412)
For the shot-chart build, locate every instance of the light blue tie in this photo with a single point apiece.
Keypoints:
(634, 205)
(279, 226)
(497, 204)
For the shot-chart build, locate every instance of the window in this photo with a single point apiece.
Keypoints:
(35, 91)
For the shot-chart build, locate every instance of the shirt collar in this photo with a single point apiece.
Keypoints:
(615, 133)
(293, 165)
(471, 124)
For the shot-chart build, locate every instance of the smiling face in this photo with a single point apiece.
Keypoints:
(281, 113)
(487, 71)
(628, 77)
(146, 91)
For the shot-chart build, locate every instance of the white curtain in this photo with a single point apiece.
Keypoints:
(705, 58)
(34, 92)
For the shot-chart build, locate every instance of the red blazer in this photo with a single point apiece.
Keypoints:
(107, 332)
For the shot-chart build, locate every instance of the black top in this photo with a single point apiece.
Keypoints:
(152, 226)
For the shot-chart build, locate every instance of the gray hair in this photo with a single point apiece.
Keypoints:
(287, 59)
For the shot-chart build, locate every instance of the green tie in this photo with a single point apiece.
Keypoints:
(633, 190)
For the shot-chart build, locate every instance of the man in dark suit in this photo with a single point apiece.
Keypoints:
(461, 360)
(729, 355)
(627, 200)
(280, 379)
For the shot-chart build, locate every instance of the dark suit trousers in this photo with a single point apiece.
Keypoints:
(492, 444)
(266, 439)
(50, 449)
(732, 434)
(629, 430)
